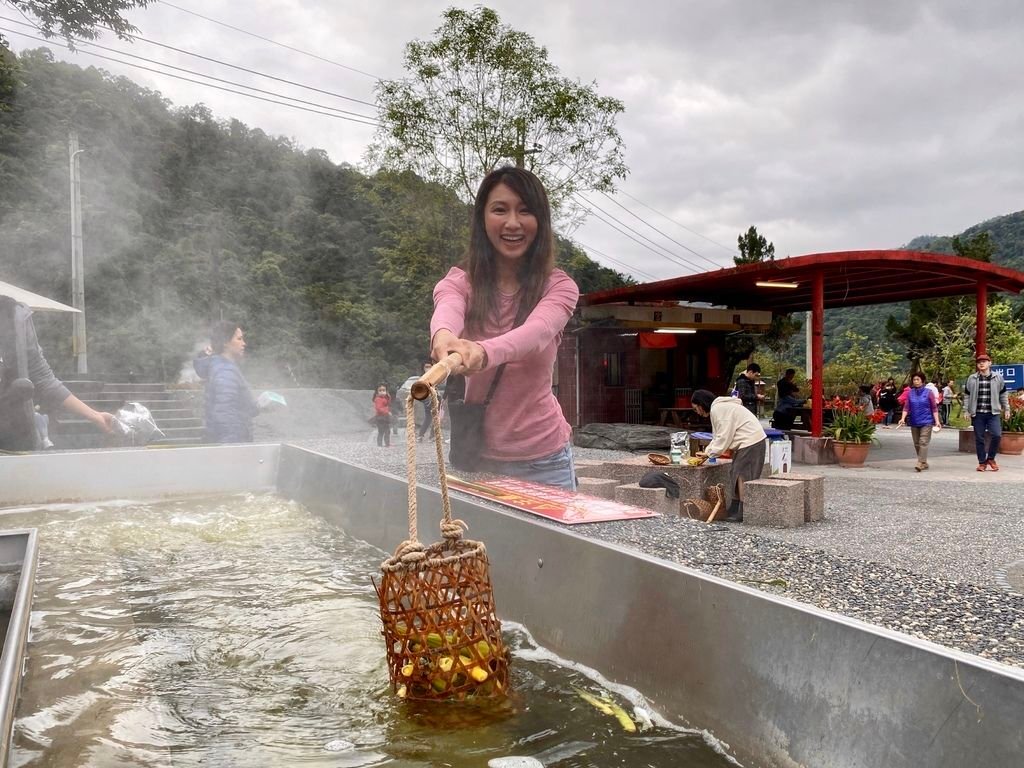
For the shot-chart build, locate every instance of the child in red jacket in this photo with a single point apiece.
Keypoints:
(382, 415)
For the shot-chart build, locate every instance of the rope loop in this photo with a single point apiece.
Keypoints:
(410, 551)
(452, 529)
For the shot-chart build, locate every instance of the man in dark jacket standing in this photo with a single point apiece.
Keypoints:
(745, 389)
(230, 406)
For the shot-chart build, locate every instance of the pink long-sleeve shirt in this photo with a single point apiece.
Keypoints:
(524, 420)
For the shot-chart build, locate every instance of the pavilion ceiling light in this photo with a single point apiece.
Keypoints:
(675, 330)
(766, 284)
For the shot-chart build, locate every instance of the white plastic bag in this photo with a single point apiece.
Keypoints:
(134, 421)
(270, 399)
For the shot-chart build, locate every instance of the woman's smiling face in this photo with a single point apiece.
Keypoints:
(511, 227)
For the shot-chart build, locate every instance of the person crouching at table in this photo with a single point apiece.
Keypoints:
(734, 429)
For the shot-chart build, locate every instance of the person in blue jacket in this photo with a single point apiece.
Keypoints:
(230, 406)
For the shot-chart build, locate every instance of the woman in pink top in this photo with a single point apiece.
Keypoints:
(508, 305)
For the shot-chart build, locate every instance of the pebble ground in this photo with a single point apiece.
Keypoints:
(937, 554)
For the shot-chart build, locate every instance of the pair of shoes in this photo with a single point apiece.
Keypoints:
(982, 467)
(992, 465)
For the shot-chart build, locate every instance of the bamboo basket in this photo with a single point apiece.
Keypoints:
(441, 631)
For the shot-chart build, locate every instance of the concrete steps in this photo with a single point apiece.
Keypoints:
(177, 412)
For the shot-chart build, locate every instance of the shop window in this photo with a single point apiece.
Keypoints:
(612, 363)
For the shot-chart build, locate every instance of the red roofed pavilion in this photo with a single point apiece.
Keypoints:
(826, 280)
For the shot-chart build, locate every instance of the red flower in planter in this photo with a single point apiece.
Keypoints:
(850, 424)
(1016, 421)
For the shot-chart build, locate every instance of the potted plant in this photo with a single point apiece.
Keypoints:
(852, 431)
(1012, 442)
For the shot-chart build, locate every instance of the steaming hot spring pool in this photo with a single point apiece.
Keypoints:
(243, 631)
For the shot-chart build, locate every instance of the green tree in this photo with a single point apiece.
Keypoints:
(952, 355)
(978, 247)
(754, 248)
(916, 333)
(189, 219)
(73, 18)
(858, 363)
(481, 94)
(588, 274)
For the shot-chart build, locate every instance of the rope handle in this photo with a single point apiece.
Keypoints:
(437, 373)
(450, 529)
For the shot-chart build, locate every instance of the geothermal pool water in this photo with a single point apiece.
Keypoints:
(243, 631)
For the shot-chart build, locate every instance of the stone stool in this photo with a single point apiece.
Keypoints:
(814, 494)
(597, 486)
(589, 468)
(775, 503)
(693, 481)
(647, 498)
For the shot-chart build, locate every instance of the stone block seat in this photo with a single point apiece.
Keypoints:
(693, 481)
(811, 450)
(647, 498)
(588, 468)
(814, 494)
(597, 486)
(776, 503)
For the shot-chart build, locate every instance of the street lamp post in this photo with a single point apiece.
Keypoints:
(78, 345)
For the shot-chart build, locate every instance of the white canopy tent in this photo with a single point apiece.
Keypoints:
(34, 300)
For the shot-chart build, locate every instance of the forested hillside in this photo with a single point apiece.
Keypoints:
(189, 218)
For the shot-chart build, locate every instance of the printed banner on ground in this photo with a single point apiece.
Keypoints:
(553, 503)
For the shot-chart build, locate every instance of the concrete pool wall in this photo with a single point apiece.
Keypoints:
(782, 683)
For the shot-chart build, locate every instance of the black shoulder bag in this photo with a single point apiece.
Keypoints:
(467, 434)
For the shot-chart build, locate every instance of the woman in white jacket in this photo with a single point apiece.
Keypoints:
(735, 429)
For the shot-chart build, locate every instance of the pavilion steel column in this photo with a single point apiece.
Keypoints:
(981, 320)
(817, 352)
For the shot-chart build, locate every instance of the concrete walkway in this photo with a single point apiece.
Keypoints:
(893, 458)
(949, 521)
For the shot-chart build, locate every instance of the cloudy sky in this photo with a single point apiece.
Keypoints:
(829, 125)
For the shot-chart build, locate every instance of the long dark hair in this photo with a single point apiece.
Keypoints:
(481, 261)
(703, 398)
